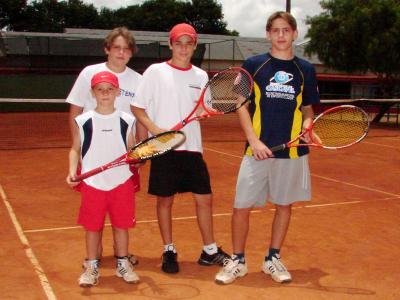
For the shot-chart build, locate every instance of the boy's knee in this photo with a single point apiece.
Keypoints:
(204, 201)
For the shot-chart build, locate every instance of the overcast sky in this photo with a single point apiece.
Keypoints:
(248, 17)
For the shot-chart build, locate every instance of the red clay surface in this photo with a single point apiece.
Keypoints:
(342, 245)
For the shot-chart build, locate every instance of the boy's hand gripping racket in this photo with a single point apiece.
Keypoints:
(152, 147)
(225, 92)
(336, 128)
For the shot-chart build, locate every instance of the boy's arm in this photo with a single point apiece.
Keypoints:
(141, 132)
(308, 116)
(74, 156)
(141, 115)
(260, 150)
(74, 111)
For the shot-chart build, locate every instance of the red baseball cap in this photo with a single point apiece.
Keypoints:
(182, 29)
(105, 76)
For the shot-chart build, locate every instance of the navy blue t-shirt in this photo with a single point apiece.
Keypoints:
(281, 88)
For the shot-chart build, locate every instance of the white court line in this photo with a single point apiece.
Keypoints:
(319, 176)
(393, 196)
(28, 250)
(356, 185)
(224, 153)
(217, 215)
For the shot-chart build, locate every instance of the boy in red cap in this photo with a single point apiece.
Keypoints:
(111, 191)
(119, 47)
(167, 93)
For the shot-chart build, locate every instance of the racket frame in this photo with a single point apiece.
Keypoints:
(314, 143)
(125, 159)
(200, 102)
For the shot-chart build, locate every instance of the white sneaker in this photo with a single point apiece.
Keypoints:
(86, 263)
(90, 275)
(276, 269)
(125, 270)
(231, 270)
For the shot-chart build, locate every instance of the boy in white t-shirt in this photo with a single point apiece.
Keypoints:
(168, 93)
(111, 191)
(119, 45)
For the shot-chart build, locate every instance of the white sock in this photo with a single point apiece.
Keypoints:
(170, 247)
(93, 262)
(210, 249)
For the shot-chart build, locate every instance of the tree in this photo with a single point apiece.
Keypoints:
(359, 35)
(80, 15)
(161, 15)
(129, 17)
(54, 16)
(43, 16)
(152, 15)
(207, 17)
(10, 12)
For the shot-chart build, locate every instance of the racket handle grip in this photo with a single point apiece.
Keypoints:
(278, 148)
(87, 174)
(178, 126)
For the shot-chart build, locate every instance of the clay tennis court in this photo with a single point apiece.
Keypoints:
(342, 245)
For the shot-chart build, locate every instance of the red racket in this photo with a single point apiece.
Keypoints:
(336, 128)
(150, 148)
(224, 93)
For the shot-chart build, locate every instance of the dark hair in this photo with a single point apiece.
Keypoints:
(281, 15)
(125, 33)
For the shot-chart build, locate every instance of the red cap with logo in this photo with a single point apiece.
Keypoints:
(182, 29)
(104, 76)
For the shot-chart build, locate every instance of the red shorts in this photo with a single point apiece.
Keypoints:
(135, 177)
(119, 203)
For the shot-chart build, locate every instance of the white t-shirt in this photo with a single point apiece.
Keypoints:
(80, 94)
(103, 139)
(169, 94)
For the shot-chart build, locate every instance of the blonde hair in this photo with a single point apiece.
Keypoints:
(125, 33)
(281, 15)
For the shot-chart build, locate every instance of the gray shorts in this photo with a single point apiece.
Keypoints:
(280, 181)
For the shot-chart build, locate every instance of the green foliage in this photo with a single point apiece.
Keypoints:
(152, 15)
(161, 15)
(358, 35)
(10, 12)
(46, 15)
(79, 14)
(209, 22)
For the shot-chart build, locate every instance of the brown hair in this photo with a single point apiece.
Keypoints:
(283, 15)
(125, 33)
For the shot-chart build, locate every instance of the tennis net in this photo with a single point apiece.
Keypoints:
(33, 123)
(43, 123)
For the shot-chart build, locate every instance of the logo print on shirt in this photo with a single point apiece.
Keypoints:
(282, 77)
(126, 93)
(278, 87)
(194, 86)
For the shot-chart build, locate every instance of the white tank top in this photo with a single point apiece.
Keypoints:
(103, 139)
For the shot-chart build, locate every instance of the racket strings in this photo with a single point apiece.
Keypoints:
(157, 145)
(342, 127)
(228, 91)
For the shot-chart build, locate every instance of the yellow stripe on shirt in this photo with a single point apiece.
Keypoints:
(256, 117)
(297, 123)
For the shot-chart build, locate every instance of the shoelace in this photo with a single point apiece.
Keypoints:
(125, 267)
(278, 265)
(230, 264)
(91, 271)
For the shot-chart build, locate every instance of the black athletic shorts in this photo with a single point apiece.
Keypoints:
(179, 172)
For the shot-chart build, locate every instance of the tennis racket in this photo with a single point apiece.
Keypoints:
(224, 93)
(336, 128)
(152, 147)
